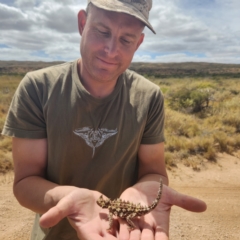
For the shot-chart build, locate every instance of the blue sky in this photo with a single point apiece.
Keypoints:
(187, 31)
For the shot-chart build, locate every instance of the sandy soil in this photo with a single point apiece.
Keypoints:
(217, 184)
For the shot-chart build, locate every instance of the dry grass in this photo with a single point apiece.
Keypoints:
(193, 138)
(6, 162)
(190, 138)
(8, 85)
(6, 178)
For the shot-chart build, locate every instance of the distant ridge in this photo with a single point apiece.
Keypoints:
(22, 67)
(185, 69)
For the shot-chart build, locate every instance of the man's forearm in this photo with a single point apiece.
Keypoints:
(154, 177)
(38, 194)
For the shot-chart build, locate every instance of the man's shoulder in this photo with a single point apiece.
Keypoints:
(138, 81)
(52, 71)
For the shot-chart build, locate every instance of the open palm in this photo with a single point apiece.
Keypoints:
(155, 225)
(84, 215)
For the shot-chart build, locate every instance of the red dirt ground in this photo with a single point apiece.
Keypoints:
(218, 184)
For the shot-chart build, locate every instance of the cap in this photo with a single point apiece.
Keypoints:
(137, 8)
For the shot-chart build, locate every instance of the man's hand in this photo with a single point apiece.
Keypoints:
(155, 225)
(84, 215)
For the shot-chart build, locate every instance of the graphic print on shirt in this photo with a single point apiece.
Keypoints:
(94, 138)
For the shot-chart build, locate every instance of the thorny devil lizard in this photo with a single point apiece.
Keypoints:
(127, 210)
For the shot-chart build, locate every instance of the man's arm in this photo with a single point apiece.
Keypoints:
(152, 163)
(55, 202)
(30, 187)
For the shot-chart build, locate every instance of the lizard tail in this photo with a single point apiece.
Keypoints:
(155, 202)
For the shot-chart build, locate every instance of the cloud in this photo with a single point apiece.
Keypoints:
(25, 4)
(197, 27)
(62, 19)
(200, 30)
(42, 30)
(8, 2)
(13, 19)
(184, 57)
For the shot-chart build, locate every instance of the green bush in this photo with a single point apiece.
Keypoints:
(190, 100)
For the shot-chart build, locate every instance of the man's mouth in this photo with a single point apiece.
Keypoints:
(106, 61)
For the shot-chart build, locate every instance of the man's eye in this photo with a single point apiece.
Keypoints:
(125, 41)
(103, 33)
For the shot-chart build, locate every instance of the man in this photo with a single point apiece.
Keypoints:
(92, 127)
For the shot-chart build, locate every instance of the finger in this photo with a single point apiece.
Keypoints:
(135, 234)
(160, 234)
(124, 233)
(97, 236)
(187, 202)
(147, 234)
(55, 214)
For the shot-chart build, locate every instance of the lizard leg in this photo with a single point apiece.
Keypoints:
(130, 222)
(110, 219)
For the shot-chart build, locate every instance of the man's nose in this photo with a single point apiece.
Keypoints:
(111, 47)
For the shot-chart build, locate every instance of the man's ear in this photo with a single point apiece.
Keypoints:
(82, 19)
(140, 41)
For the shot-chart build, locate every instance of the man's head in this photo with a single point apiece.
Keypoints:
(109, 41)
(137, 8)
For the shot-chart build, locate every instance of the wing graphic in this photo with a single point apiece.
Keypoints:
(105, 134)
(84, 134)
(94, 138)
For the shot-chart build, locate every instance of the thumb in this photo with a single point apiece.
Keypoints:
(55, 214)
(187, 202)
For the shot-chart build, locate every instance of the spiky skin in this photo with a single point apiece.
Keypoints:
(127, 210)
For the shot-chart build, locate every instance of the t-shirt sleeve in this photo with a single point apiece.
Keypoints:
(25, 117)
(154, 128)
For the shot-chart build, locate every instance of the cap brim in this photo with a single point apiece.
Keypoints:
(124, 8)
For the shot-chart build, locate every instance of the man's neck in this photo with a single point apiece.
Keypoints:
(97, 89)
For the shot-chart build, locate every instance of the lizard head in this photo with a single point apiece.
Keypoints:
(103, 203)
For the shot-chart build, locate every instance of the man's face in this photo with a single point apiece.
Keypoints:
(109, 41)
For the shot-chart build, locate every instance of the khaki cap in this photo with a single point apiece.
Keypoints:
(137, 8)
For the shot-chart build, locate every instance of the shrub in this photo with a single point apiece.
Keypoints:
(190, 100)
(221, 139)
(6, 163)
(180, 124)
(169, 159)
(211, 153)
(200, 145)
(6, 144)
(175, 143)
(232, 120)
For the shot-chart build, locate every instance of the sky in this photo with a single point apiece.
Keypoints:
(187, 31)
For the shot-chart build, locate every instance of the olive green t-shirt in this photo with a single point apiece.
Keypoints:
(92, 143)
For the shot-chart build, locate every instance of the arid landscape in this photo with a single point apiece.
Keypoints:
(189, 69)
(217, 184)
(202, 146)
